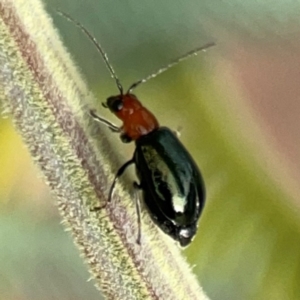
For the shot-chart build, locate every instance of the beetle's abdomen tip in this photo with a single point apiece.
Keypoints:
(186, 235)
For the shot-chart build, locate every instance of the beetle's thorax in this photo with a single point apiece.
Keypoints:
(137, 120)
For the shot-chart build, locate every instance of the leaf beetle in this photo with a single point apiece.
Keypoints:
(172, 185)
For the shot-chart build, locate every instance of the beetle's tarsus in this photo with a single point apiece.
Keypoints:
(98, 208)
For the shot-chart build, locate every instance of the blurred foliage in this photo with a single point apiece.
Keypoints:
(248, 244)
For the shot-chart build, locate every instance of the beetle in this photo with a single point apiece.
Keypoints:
(171, 182)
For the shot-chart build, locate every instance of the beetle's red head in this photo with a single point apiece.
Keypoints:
(137, 120)
(123, 105)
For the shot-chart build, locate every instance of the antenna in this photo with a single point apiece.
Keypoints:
(171, 64)
(98, 46)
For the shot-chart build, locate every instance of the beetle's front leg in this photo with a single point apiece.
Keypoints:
(111, 126)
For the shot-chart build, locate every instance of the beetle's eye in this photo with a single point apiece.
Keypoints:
(125, 138)
(115, 104)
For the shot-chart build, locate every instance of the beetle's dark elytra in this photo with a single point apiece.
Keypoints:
(172, 184)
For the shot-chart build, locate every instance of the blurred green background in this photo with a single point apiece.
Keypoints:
(238, 107)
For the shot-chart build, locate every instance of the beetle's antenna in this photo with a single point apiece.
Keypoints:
(170, 65)
(98, 46)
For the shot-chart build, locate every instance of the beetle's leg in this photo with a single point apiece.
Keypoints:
(119, 173)
(137, 187)
(111, 126)
(177, 132)
(125, 138)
